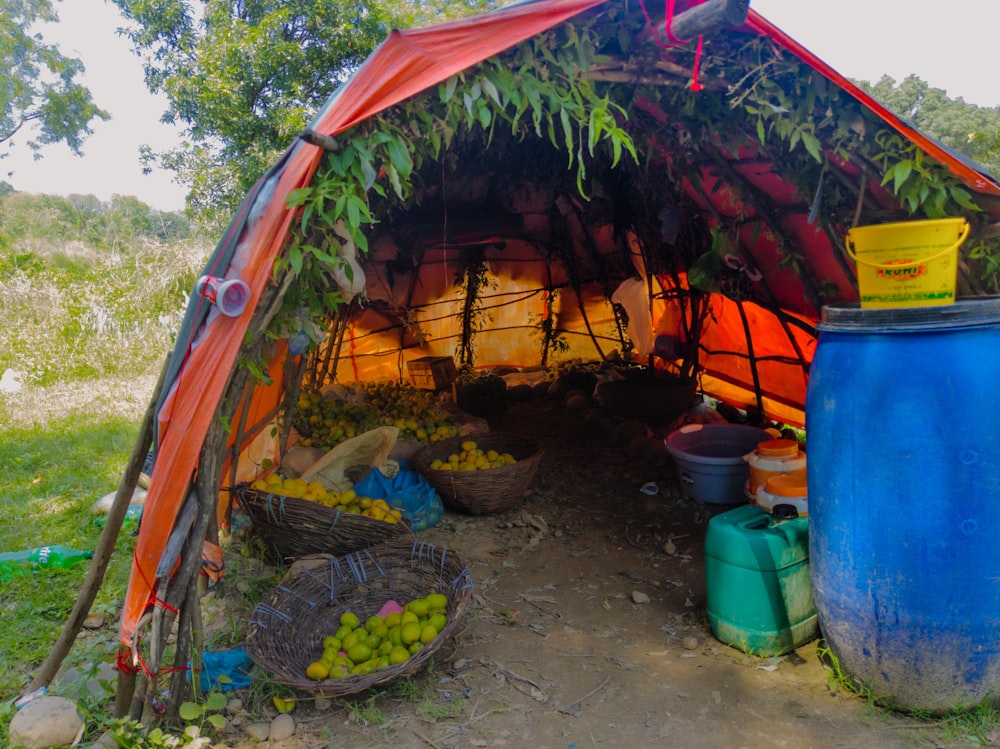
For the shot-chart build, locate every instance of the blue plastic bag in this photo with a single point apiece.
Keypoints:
(234, 664)
(407, 492)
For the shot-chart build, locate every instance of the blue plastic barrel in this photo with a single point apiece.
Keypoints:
(903, 428)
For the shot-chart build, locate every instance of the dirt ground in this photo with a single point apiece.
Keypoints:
(588, 629)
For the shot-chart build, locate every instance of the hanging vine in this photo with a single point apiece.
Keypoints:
(576, 86)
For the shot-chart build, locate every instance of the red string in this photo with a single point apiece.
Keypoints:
(667, 23)
(695, 86)
(124, 664)
(153, 598)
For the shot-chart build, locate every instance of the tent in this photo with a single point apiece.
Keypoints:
(723, 235)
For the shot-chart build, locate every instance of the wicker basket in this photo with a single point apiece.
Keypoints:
(486, 491)
(285, 632)
(296, 527)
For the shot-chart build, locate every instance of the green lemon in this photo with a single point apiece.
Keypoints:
(428, 633)
(438, 620)
(359, 653)
(410, 633)
(419, 607)
(350, 619)
(437, 601)
(351, 640)
(398, 655)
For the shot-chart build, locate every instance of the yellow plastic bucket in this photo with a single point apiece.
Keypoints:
(907, 264)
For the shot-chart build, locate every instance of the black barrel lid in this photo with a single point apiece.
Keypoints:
(967, 311)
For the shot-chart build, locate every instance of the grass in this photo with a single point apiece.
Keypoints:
(87, 332)
(965, 724)
(51, 476)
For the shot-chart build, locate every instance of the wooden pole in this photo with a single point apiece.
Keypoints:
(105, 547)
(707, 18)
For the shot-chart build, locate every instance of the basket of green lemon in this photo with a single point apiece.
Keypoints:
(341, 625)
(480, 474)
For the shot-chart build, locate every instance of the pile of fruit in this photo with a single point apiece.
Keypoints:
(472, 458)
(380, 641)
(326, 422)
(347, 501)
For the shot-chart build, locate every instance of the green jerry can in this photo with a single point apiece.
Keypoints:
(757, 580)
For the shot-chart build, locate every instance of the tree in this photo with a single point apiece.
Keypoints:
(969, 129)
(244, 78)
(38, 84)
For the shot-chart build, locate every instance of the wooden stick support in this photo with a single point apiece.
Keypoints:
(105, 547)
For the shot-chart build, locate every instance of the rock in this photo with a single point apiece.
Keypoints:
(281, 728)
(578, 402)
(690, 643)
(541, 389)
(322, 704)
(11, 382)
(103, 505)
(105, 741)
(93, 621)
(639, 597)
(47, 722)
(521, 392)
(404, 449)
(258, 731)
(234, 706)
(629, 429)
(298, 459)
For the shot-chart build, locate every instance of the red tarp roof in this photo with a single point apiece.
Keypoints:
(407, 63)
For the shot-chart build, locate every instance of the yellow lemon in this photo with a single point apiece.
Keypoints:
(469, 445)
(283, 704)
(392, 620)
(317, 671)
(408, 616)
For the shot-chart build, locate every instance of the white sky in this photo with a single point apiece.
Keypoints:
(950, 48)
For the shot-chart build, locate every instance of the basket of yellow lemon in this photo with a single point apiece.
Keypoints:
(480, 475)
(341, 625)
(296, 518)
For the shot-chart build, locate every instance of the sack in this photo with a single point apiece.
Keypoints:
(406, 491)
(368, 449)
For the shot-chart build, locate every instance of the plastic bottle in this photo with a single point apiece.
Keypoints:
(132, 517)
(44, 557)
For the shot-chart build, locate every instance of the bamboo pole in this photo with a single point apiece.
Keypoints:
(105, 547)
